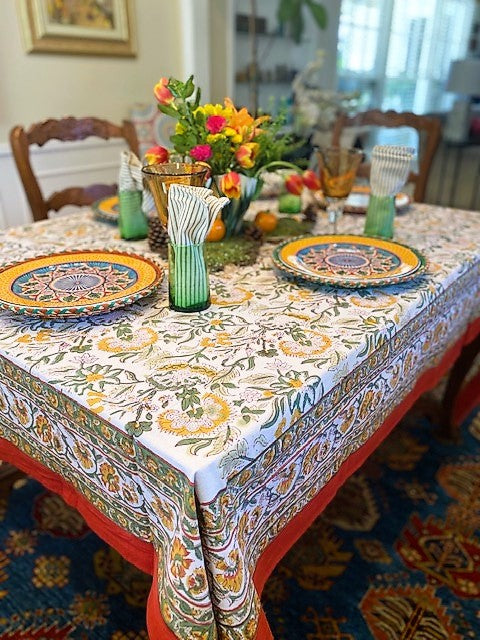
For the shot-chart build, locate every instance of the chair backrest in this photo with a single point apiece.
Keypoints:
(428, 128)
(65, 129)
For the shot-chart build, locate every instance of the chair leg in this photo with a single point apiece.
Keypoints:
(447, 429)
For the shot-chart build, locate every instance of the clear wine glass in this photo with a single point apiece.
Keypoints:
(338, 169)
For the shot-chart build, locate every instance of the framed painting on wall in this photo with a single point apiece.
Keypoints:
(92, 27)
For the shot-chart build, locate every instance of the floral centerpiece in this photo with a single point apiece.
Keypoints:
(236, 145)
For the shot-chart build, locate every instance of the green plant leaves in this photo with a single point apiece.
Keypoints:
(290, 12)
(319, 13)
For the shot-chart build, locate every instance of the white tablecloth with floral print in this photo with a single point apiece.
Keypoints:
(206, 433)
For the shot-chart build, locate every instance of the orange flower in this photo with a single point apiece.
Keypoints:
(156, 155)
(179, 560)
(230, 573)
(162, 93)
(230, 184)
(242, 121)
(246, 154)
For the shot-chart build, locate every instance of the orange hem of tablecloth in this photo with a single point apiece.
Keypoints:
(141, 553)
(298, 525)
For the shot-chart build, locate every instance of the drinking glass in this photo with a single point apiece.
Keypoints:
(159, 177)
(338, 169)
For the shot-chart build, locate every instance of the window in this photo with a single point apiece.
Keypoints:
(398, 52)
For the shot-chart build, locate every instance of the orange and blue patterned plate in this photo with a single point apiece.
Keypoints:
(348, 260)
(106, 209)
(77, 283)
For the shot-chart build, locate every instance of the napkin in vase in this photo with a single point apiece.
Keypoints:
(388, 174)
(134, 200)
(191, 214)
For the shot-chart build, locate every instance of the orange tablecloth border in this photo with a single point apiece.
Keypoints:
(141, 553)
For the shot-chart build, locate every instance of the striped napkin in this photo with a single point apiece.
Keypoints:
(388, 174)
(191, 213)
(131, 179)
(389, 169)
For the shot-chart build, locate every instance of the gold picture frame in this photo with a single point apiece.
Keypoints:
(86, 27)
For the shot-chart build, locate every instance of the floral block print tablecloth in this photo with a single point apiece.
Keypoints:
(206, 433)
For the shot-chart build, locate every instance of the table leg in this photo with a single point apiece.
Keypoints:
(446, 427)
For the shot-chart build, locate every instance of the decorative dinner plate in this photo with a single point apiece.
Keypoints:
(106, 209)
(348, 260)
(357, 201)
(77, 283)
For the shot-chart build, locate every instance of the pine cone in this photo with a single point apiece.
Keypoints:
(252, 232)
(310, 213)
(157, 237)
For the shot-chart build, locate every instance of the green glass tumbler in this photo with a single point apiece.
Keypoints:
(380, 216)
(188, 284)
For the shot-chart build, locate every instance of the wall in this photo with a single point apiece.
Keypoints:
(36, 86)
(39, 85)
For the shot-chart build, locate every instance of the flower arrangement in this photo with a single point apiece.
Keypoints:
(230, 140)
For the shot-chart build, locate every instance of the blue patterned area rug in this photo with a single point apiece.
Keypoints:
(395, 555)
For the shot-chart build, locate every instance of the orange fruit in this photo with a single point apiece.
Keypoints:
(217, 232)
(266, 221)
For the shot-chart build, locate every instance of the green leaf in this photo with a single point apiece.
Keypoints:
(319, 13)
(176, 87)
(287, 9)
(198, 95)
(168, 110)
(189, 87)
(296, 25)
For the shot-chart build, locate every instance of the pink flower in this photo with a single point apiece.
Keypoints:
(202, 152)
(162, 93)
(311, 180)
(215, 124)
(230, 184)
(294, 184)
(156, 155)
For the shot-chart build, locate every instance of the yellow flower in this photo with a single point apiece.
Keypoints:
(231, 576)
(215, 110)
(236, 295)
(318, 344)
(92, 377)
(215, 412)
(110, 477)
(43, 335)
(142, 338)
(179, 560)
(213, 137)
(94, 401)
(295, 383)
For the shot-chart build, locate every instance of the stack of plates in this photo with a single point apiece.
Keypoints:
(348, 260)
(106, 209)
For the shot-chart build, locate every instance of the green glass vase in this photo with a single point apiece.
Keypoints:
(188, 284)
(380, 216)
(234, 212)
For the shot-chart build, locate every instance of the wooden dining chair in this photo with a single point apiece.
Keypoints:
(428, 129)
(65, 129)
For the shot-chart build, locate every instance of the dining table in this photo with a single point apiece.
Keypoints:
(202, 445)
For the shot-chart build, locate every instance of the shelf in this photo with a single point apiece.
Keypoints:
(269, 82)
(271, 34)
